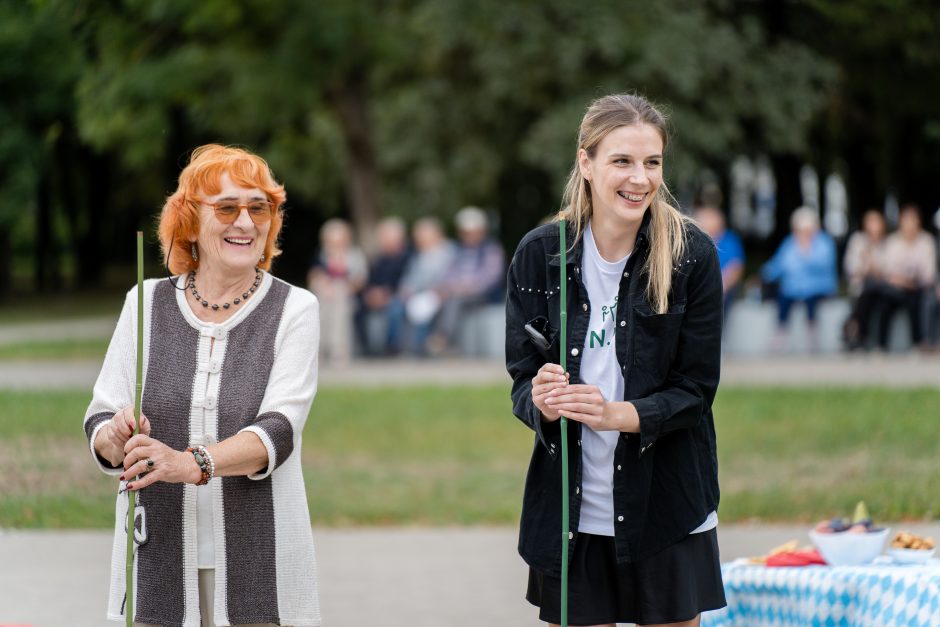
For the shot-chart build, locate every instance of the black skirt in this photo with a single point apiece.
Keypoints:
(676, 584)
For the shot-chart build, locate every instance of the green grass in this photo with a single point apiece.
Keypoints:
(440, 456)
(94, 348)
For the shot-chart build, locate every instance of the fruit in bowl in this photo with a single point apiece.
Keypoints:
(861, 522)
(907, 548)
(852, 542)
(849, 549)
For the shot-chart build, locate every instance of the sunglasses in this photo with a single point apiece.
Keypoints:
(227, 211)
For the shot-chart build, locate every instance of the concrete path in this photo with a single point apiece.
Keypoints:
(389, 577)
(894, 370)
(912, 370)
(69, 329)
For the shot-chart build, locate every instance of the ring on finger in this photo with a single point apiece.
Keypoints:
(149, 463)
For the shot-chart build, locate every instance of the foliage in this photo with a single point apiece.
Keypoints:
(38, 66)
(414, 107)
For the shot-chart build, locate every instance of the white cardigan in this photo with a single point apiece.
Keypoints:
(261, 376)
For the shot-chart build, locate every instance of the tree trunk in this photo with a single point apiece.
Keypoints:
(95, 202)
(43, 232)
(363, 185)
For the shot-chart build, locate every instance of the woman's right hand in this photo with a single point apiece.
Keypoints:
(549, 377)
(119, 430)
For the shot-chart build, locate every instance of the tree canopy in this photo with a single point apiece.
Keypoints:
(414, 107)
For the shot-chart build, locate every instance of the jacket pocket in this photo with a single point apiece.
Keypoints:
(655, 338)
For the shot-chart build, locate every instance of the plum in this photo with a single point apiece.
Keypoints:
(838, 525)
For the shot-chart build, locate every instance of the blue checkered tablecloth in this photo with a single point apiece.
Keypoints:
(880, 595)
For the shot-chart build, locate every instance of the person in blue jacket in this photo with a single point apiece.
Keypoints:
(805, 268)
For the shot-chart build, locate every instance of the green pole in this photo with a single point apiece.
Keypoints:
(131, 495)
(564, 424)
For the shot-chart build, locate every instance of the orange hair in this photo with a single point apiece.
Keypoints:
(179, 218)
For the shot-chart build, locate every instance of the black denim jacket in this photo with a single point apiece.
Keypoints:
(665, 477)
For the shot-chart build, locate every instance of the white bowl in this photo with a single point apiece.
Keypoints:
(911, 556)
(847, 548)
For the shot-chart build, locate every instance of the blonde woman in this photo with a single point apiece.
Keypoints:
(644, 343)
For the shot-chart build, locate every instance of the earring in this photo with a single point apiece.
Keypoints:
(262, 258)
(192, 250)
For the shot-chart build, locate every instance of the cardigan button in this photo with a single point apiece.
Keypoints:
(218, 333)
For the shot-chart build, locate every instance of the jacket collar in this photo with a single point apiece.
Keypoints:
(574, 248)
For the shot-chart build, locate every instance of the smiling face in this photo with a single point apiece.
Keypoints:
(625, 173)
(233, 248)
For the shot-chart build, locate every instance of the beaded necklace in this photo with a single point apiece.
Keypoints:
(191, 284)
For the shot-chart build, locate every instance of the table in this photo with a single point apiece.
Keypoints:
(879, 595)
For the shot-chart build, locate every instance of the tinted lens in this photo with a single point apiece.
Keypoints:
(259, 211)
(226, 212)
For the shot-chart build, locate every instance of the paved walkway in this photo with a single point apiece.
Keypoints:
(73, 329)
(894, 370)
(389, 577)
(881, 370)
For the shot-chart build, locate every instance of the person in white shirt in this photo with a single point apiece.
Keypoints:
(644, 302)
(910, 268)
(230, 371)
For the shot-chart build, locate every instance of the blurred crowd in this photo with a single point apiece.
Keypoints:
(414, 294)
(885, 273)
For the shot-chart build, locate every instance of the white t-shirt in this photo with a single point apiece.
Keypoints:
(600, 367)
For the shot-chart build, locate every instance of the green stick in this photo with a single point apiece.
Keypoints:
(131, 495)
(564, 425)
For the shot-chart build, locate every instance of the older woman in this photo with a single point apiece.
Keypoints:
(805, 267)
(230, 371)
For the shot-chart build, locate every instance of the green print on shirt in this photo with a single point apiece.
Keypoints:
(605, 311)
(609, 311)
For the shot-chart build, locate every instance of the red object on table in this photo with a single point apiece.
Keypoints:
(796, 558)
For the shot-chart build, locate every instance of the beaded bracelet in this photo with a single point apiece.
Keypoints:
(205, 462)
(209, 460)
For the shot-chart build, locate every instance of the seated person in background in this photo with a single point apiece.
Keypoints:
(730, 250)
(910, 270)
(805, 268)
(474, 278)
(416, 303)
(385, 273)
(931, 340)
(864, 265)
(336, 275)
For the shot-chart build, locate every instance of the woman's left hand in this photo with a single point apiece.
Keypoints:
(586, 404)
(168, 465)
